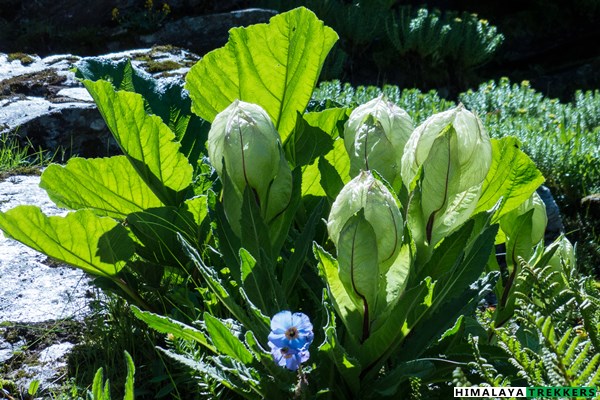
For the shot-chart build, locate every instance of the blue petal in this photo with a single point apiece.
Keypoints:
(293, 362)
(302, 322)
(281, 321)
(304, 355)
(276, 337)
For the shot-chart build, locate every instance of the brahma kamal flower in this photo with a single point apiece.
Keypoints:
(245, 149)
(375, 136)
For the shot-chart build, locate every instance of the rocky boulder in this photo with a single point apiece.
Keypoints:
(204, 33)
(43, 104)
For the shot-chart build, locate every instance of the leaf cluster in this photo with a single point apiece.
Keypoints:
(553, 340)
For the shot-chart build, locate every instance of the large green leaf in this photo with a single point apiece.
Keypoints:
(248, 318)
(295, 263)
(343, 304)
(259, 283)
(225, 341)
(330, 121)
(165, 98)
(314, 135)
(390, 334)
(306, 143)
(97, 245)
(446, 255)
(158, 228)
(319, 173)
(274, 65)
(147, 142)
(456, 290)
(512, 176)
(108, 186)
(168, 325)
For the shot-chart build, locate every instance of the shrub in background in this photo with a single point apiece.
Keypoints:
(415, 47)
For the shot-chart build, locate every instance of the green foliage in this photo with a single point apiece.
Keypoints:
(562, 139)
(419, 105)
(280, 80)
(16, 158)
(101, 389)
(201, 261)
(461, 41)
(415, 46)
(553, 340)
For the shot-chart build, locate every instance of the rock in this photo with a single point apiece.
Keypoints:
(72, 13)
(554, 227)
(43, 104)
(69, 26)
(35, 292)
(204, 33)
(591, 205)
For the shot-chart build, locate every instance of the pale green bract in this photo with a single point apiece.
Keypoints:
(358, 269)
(454, 153)
(380, 210)
(244, 145)
(469, 146)
(243, 140)
(375, 136)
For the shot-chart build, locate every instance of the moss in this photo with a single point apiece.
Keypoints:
(32, 84)
(25, 59)
(163, 48)
(142, 57)
(8, 385)
(161, 66)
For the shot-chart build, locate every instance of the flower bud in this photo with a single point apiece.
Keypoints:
(243, 141)
(380, 211)
(564, 255)
(539, 219)
(244, 144)
(375, 136)
(468, 149)
(455, 154)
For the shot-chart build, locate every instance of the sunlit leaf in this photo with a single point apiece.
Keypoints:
(225, 341)
(512, 176)
(97, 245)
(274, 65)
(165, 98)
(108, 186)
(147, 142)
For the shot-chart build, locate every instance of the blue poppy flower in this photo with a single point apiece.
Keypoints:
(288, 357)
(290, 336)
(293, 331)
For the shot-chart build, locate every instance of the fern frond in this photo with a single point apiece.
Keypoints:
(524, 359)
(485, 369)
(576, 365)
